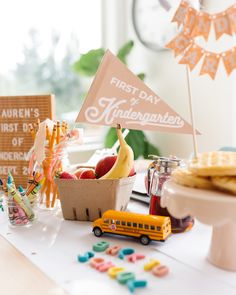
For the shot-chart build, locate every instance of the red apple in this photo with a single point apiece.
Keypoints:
(67, 175)
(132, 172)
(105, 165)
(88, 174)
(79, 171)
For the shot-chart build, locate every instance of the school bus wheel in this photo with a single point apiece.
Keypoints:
(145, 240)
(97, 232)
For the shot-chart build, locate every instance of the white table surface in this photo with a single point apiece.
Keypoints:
(53, 244)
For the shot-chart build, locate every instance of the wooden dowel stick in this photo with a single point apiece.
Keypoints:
(191, 113)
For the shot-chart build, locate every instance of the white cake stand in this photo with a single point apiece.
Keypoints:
(210, 207)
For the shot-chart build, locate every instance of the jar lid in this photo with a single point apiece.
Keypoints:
(166, 162)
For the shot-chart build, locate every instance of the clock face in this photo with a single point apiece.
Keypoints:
(152, 22)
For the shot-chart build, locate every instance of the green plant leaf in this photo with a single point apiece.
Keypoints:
(124, 51)
(141, 76)
(136, 139)
(88, 63)
(110, 138)
(150, 149)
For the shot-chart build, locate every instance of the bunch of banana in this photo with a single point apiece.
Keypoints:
(124, 161)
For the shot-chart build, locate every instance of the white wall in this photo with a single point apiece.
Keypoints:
(214, 101)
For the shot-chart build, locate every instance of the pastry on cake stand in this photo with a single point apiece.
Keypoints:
(210, 207)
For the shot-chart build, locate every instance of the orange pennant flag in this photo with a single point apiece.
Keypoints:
(210, 64)
(179, 43)
(192, 56)
(190, 20)
(202, 25)
(180, 13)
(117, 96)
(221, 24)
(229, 59)
(231, 13)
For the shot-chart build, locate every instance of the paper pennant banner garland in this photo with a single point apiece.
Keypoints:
(195, 24)
(192, 54)
(202, 26)
(190, 20)
(189, 17)
(119, 96)
(180, 13)
(232, 17)
(210, 64)
(229, 60)
(221, 24)
(179, 43)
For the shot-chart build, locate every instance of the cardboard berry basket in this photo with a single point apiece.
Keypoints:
(88, 199)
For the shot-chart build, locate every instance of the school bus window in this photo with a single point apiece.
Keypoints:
(106, 220)
(146, 226)
(117, 222)
(123, 222)
(112, 221)
(158, 228)
(140, 225)
(152, 227)
(134, 224)
(128, 223)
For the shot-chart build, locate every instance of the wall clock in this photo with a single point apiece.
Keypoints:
(152, 22)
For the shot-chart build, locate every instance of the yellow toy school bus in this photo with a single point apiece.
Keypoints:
(144, 227)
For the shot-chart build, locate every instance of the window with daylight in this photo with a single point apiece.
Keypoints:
(40, 41)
